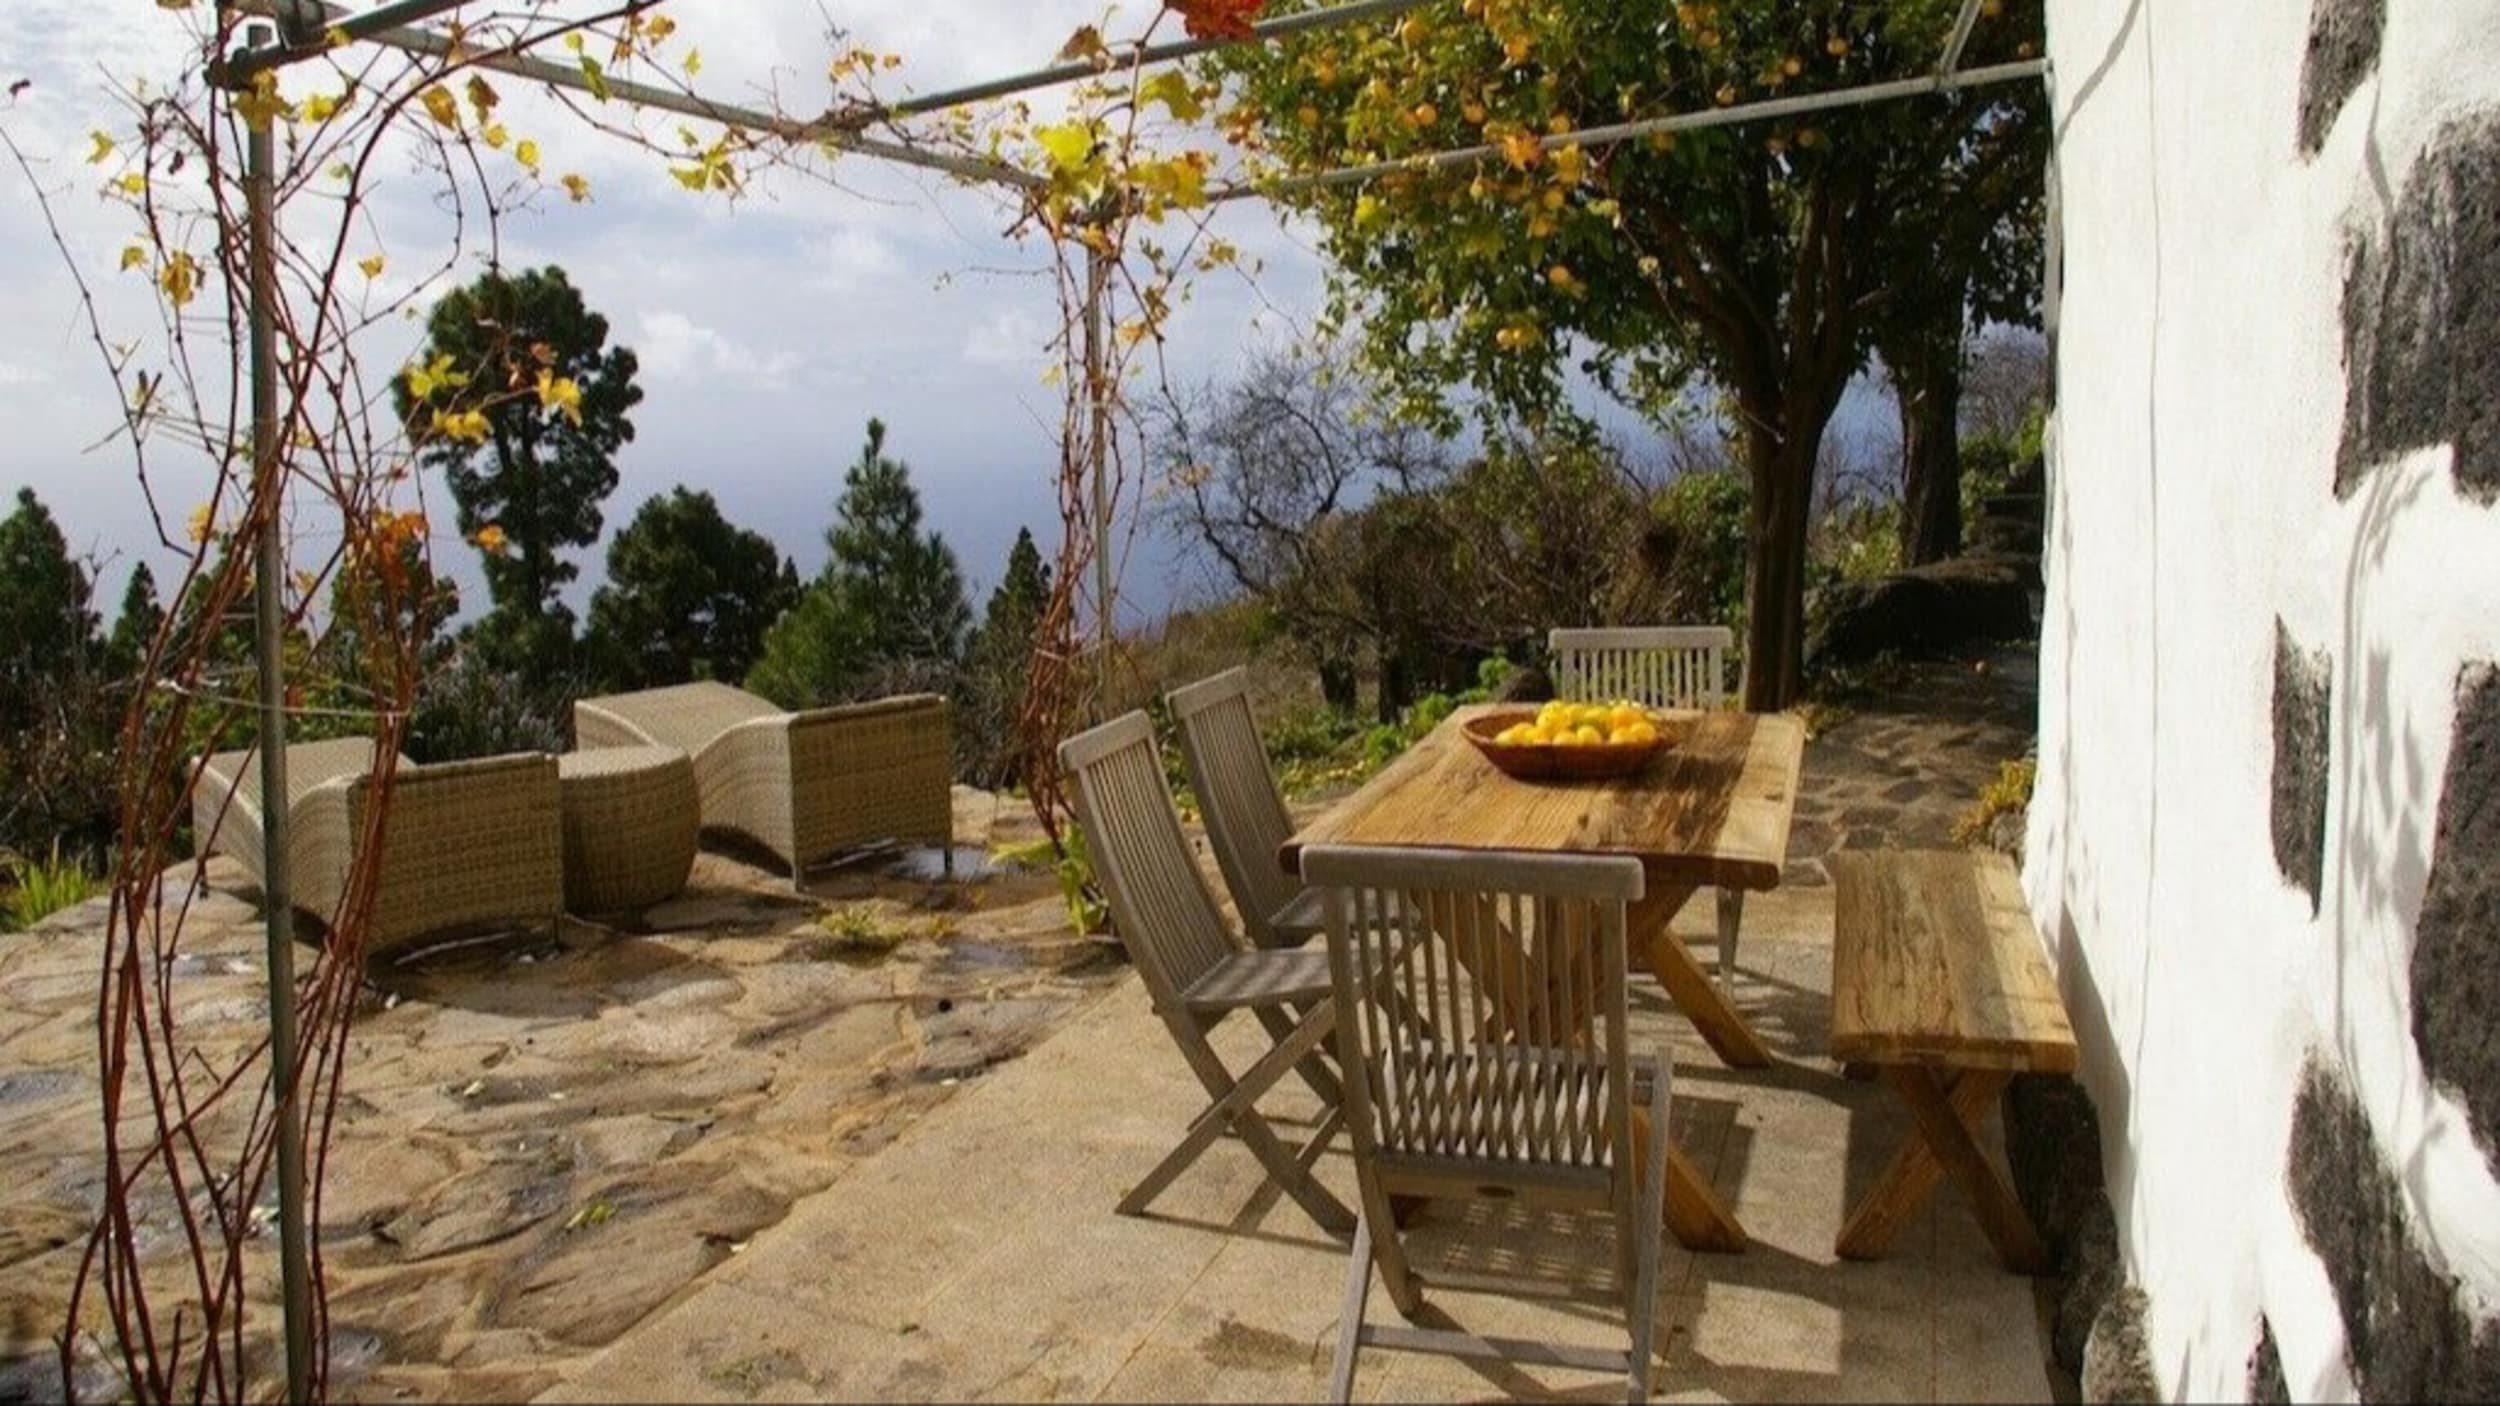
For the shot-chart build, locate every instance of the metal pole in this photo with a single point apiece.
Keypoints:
(1962, 23)
(830, 130)
(268, 582)
(1626, 131)
(1098, 450)
(1141, 55)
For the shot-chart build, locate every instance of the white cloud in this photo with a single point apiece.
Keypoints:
(673, 346)
(848, 258)
(1009, 337)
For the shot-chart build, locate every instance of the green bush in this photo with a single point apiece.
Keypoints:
(39, 888)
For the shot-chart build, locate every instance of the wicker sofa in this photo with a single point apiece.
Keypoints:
(807, 785)
(464, 845)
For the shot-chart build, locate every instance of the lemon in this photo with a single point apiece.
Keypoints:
(1642, 731)
(1624, 715)
(1515, 734)
(1586, 736)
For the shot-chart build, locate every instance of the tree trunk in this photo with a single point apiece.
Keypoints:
(1927, 383)
(1397, 685)
(1780, 458)
(1339, 686)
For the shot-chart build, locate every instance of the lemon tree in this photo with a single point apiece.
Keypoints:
(1755, 258)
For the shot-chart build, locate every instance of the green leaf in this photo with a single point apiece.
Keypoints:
(1172, 89)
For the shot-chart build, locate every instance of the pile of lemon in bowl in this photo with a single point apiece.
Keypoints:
(1560, 724)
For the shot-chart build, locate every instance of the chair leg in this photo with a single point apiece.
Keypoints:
(1731, 917)
(1235, 1106)
(1314, 1069)
(1649, 1230)
(1358, 1292)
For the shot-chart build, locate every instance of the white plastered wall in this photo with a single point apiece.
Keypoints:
(2192, 461)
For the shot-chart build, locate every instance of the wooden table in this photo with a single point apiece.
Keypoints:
(1712, 811)
(1938, 981)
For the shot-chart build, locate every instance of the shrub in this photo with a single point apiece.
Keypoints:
(39, 888)
(2009, 794)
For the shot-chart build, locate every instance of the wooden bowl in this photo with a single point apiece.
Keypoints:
(1550, 761)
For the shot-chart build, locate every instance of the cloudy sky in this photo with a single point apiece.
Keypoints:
(769, 330)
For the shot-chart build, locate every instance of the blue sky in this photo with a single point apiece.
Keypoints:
(769, 329)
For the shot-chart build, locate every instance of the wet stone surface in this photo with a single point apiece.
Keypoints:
(545, 1141)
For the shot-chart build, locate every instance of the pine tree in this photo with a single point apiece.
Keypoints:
(903, 582)
(134, 629)
(888, 613)
(47, 634)
(689, 595)
(509, 348)
(1000, 663)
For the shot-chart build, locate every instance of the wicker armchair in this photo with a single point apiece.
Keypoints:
(464, 844)
(806, 785)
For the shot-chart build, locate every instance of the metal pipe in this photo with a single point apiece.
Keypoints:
(1098, 417)
(1626, 131)
(1962, 23)
(1139, 55)
(277, 906)
(825, 129)
(304, 27)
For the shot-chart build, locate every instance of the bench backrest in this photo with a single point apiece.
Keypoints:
(1935, 961)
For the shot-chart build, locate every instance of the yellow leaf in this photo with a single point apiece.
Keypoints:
(103, 148)
(132, 257)
(371, 268)
(659, 27)
(441, 106)
(1067, 144)
(490, 539)
(595, 76)
(691, 177)
(693, 63)
(482, 96)
(578, 187)
(180, 278)
(201, 523)
(134, 183)
(526, 152)
(321, 107)
(469, 426)
(560, 393)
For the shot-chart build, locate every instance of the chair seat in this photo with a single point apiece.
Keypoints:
(1260, 979)
(1302, 919)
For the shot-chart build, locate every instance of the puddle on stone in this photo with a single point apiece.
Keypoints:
(37, 1084)
(927, 864)
(214, 964)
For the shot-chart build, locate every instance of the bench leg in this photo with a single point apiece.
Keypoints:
(1945, 1110)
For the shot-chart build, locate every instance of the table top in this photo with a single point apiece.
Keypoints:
(1713, 807)
(1935, 961)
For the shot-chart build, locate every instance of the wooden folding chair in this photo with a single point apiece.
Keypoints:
(1195, 971)
(1656, 666)
(1247, 825)
(1482, 1033)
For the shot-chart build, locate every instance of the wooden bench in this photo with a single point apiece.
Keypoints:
(1938, 982)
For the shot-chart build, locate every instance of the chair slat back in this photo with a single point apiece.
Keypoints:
(1159, 902)
(1245, 814)
(1491, 1028)
(1665, 666)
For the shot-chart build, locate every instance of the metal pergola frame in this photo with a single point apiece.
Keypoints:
(303, 29)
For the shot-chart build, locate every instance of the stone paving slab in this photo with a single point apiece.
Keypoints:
(979, 1258)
